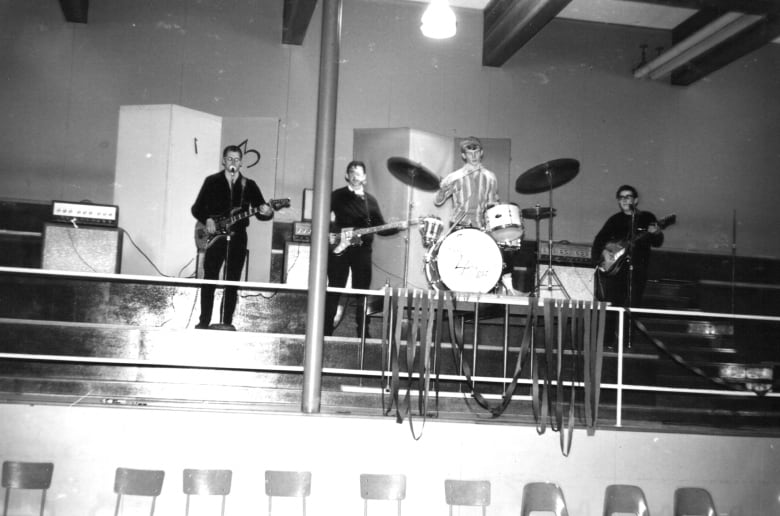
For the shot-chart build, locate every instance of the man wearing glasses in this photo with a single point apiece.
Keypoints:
(224, 194)
(621, 251)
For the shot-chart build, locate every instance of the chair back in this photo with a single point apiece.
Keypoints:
(693, 501)
(382, 487)
(288, 483)
(26, 475)
(138, 482)
(543, 497)
(620, 498)
(475, 493)
(207, 482)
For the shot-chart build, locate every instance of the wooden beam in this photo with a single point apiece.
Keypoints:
(760, 34)
(75, 11)
(296, 19)
(510, 24)
(740, 6)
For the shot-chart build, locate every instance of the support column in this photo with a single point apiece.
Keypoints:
(323, 184)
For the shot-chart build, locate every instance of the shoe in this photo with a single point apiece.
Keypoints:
(202, 326)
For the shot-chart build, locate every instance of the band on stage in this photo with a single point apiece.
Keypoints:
(477, 250)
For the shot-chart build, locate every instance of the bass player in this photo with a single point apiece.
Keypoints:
(220, 195)
(621, 251)
(352, 208)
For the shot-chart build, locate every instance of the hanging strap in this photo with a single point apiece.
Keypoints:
(461, 364)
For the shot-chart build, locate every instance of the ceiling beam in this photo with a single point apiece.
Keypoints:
(296, 19)
(510, 24)
(740, 6)
(75, 11)
(739, 46)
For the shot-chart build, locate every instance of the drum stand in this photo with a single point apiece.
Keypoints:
(553, 281)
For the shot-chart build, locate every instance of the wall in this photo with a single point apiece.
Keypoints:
(88, 444)
(707, 152)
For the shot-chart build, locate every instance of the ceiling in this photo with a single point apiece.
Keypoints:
(706, 34)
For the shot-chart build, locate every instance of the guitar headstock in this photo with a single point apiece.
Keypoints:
(667, 221)
(278, 204)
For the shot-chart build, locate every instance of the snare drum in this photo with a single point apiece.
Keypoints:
(430, 230)
(467, 260)
(504, 222)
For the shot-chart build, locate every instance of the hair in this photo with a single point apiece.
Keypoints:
(354, 164)
(232, 148)
(626, 187)
(469, 140)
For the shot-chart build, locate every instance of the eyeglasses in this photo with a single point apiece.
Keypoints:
(472, 147)
(233, 160)
(626, 197)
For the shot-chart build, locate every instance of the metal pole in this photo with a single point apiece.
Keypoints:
(323, 184)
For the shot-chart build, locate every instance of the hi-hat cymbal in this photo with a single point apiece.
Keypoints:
(413, 174)
(538, 213)
(547, 176)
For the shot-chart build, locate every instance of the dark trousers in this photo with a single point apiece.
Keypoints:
(212, 262)
(358, 260)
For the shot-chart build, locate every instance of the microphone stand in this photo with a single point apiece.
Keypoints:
(630, 287)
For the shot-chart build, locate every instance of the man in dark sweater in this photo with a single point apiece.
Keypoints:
(622, 251)
(226, 194)
(351, 208)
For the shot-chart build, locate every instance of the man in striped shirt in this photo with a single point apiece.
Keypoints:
(473, 189)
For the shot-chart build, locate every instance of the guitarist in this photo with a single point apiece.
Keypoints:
(221, 194)
(352, 207)
(631, 230)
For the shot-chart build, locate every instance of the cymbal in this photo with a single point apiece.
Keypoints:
(538, 213)
(547, 176)
(413, 174)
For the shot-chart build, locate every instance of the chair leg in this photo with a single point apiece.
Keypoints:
(118, 501)
(43, 501)
(5, 504)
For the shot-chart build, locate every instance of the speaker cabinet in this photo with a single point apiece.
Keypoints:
(82, 249)
(578, 282)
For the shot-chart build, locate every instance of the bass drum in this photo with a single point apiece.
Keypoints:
(467, 260)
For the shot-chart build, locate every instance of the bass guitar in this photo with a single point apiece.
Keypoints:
(615, 254)
(348, 237)
(204, 240)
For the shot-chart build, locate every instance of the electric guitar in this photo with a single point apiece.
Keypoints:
(615, 254)
(339, 241)
(204, 240)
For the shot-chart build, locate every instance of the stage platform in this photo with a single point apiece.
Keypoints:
(114, 340)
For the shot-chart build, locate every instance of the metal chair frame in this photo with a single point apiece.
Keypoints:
(206, 482)
(382, 487)
(137, 482)
(26, 475)
(288, 484)
(475, 493)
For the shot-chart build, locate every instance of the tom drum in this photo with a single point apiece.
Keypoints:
(504, 222)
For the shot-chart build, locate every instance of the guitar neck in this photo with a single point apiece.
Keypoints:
(376, 229)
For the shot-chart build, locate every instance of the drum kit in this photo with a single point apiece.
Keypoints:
(470, 259)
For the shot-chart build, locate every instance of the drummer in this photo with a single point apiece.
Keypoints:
(473, 189)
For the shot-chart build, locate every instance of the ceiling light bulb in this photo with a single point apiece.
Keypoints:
(438, 20)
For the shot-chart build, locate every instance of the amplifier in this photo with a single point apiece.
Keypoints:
(84, 249)
(564, 252)
(85, 213)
